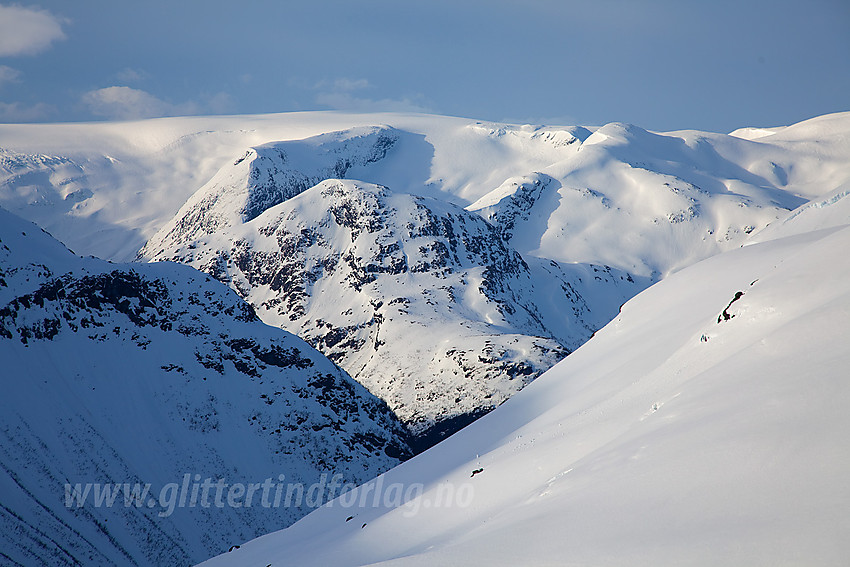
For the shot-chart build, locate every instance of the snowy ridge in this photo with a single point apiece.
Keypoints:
(270, 174)
(116, 373)
(705, 425)
(826, 212)
(643, 202)
(419, 300)
(34, 173)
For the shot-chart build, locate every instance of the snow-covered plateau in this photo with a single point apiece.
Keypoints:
(654, 324)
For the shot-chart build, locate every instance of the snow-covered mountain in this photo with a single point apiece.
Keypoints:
(152, 373)
(420, 300)
(707, 424)
(272, 173)
(614, 195)
(446, 262)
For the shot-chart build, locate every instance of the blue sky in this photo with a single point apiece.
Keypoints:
(661, 64)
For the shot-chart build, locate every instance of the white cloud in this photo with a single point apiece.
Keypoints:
(129, 75)
(337, 85)
(8, 75)
(338, 96)
(219, 103)
(25, 31)
(351, 85)
(126, 103)
(346, 101)
(13, 112)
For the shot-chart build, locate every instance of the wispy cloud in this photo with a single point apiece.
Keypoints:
(340, 95)
(219, 103)
(344, 85)
(126, 103)
(8, 75)
(26, 31)
(129, 75)
(346, 101)
(15, 112)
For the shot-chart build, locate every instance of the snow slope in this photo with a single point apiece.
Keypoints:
(824, 212)
(652, 203)
(705, 425)
(118, 373)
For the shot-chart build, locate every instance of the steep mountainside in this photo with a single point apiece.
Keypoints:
(705, 425)
(117, 373)
(419, 300)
